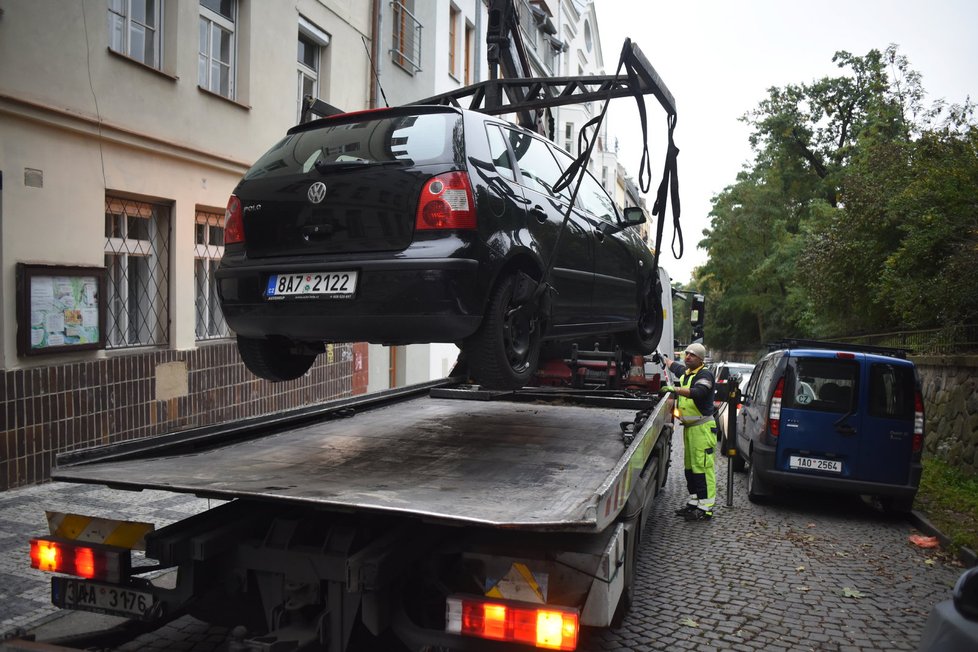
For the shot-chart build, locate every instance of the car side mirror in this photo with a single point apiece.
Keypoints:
(634, 215)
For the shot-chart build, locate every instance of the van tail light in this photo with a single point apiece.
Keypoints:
(543, 626)
(774, 415)
(918, 422)
(446, 203)
(88, 560)
(233, 224)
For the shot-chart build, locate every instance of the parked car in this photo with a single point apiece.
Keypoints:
(827, 416)
(422, 224)
(724, 373)
(953, 624)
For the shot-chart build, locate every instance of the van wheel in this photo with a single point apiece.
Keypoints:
(273, 359)
(895, 505)
(756, 489)
(645, 338)
(504, 352)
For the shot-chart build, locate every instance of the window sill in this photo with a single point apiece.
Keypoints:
(140, 64)
(240, 105)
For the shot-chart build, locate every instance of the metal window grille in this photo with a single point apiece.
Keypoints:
(208, 251)
(216, 46)
(406, 43)
(137, 258)
(135, 28)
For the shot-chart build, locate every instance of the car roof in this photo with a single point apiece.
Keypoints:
(857, 355)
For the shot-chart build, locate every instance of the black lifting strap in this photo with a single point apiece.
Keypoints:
(668, 186)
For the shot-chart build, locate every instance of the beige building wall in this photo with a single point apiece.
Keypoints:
(79, 120)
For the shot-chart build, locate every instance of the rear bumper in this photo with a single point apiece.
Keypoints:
(397, 301)
(764, 459)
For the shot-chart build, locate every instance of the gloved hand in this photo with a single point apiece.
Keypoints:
(667, 389)
(657, 357)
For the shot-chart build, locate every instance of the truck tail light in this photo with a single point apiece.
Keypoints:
(91, 561)
(774, 415)
(543, 626)
(918, 422)
(446, 203)
(233, 223)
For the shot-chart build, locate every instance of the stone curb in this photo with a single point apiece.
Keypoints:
(920, 521)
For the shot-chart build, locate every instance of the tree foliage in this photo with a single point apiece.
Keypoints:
(858, 214)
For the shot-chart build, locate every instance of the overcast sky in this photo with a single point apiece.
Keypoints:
(718, 57)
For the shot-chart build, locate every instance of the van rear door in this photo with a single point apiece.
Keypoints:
(886, 442)
(820, 422)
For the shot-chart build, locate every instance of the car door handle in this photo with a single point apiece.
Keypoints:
(538, 212)
(845, 430)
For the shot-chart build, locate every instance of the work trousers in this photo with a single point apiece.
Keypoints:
(699, 447)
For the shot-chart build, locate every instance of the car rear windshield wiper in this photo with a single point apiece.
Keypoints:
(332, 166)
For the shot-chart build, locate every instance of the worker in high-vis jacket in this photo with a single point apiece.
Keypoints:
(694, 392)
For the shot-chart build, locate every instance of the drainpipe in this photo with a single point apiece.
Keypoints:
(477, 55)
(374, 54)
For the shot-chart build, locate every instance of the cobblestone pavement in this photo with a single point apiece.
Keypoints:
(800, 573)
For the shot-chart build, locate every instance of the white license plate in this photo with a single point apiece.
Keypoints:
(101, 598)
(336, 285)
(814, 464)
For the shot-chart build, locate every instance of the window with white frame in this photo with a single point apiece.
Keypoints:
(216, 43)
(569, 137)
(208, 251)
(312, 41)
(137, 259)
(135, 30)
(453, 18)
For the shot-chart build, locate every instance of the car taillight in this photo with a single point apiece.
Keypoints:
(544, 626)
(774, 415)
(233, 224)
(918, 422)
(446, 203)
(91, 561)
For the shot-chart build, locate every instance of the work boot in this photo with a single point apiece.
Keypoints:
(686, 509)
(697, 514)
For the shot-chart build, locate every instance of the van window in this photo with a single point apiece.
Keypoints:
(760, 383)
(823, 384)
(891, 391)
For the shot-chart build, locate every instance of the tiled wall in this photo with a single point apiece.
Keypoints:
(49, 410)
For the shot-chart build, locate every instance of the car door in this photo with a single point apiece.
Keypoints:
(572, 274)
(821, 423)
(886, 440)
(616, 259)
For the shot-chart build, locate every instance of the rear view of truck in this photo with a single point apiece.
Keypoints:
(438, 515)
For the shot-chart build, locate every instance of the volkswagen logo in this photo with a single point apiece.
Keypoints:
(317, 192)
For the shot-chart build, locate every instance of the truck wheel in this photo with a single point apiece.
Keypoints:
(504, 352)
(648, 331)
(756, 490)
(273, 359)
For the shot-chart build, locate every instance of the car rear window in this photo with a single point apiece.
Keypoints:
(823, 384)
(891, 391)
(414, 139)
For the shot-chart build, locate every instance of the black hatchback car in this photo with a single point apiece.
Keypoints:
(423, 224)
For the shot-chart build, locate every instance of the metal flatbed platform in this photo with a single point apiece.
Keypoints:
(535, 465)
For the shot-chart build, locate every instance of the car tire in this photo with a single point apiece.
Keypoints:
(757, 492)
(504, 352)
(644, 339)
(273, 359)
(896, 505)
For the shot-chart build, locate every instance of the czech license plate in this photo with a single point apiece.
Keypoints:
(814, 464)
(85, 595)
(335, 285)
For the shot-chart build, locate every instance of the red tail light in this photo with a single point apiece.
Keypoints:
(918, 422)
(544, 626)
(233, 224)
(91, 561)
(446, 203)
(774, 415)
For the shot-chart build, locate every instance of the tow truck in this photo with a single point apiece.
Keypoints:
(442, 515)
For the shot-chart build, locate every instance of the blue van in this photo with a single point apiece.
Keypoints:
(836, 417)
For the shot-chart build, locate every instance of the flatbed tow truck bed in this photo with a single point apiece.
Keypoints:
(444, 514)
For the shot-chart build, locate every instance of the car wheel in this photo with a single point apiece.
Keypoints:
(648, 331)
(273, 359)
(504, 352)
(756, 490)
(895, 505)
